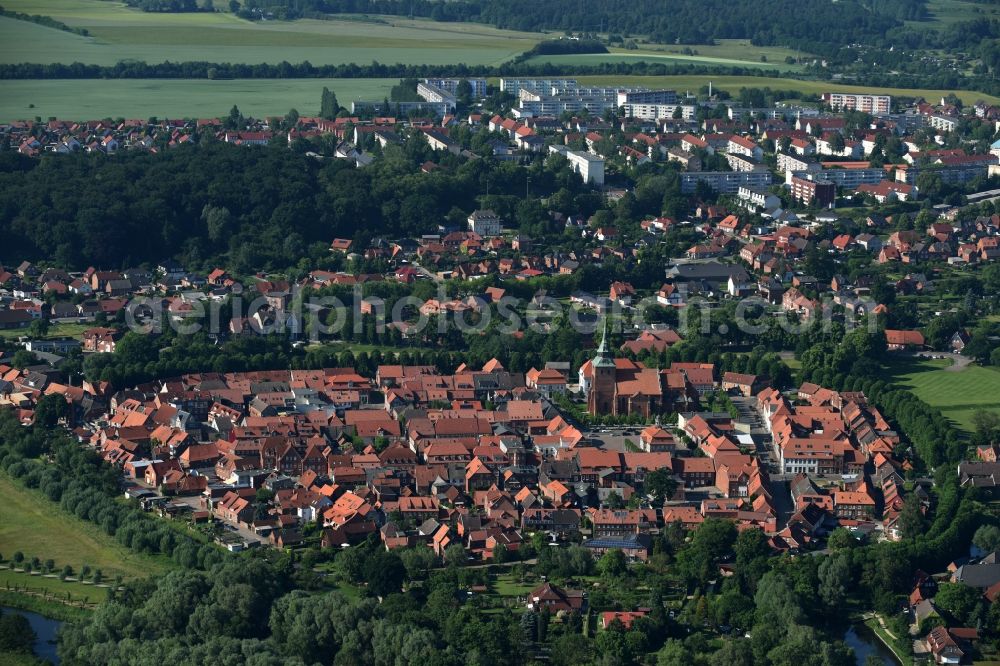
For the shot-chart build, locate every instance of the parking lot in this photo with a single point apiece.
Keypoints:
(613, 438)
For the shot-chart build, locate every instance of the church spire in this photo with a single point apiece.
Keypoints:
(603, 348)
(604, 358)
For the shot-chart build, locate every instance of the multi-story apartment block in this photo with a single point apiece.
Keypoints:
(646, 97)
(451, 85)
(645, 111)
(725, 182)
(819, 192)
(797, 163)
(436, 95)
(846, 178)
(873, 104)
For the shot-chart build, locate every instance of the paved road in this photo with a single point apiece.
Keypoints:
(195, 504)
(958, 362)
(244, 533)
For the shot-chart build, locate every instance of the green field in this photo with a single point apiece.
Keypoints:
(142, 98)
(957, 394)
(55, 331)
(727, 53)
(947, 12)
(120, 33)
(505, 585)
(39, 528)
(36, 583)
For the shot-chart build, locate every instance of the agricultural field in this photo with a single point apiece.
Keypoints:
(957, 393)
(726, 53)
(200, 98)
(120, 33)
(667, 59)
(946, 12)
(39, 528)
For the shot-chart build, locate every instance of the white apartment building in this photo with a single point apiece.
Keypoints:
(658, 111)
(436, 95)
(725, 182)
(451, 85)
(873, 104)
(845, 178)
(590, 167)
(544, 86)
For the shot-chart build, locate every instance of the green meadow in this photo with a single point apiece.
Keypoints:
(120, 33)
(725, 53)
(946, 12)
(957, 394)
(37, 527)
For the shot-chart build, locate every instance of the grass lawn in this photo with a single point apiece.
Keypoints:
(957, 394)
(37, 527)
(506, 586)
(50, 608)
(793, 363)
(899, 646)
(36, 583)
(120, 33)
(67, 330)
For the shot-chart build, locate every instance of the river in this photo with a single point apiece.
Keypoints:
(45, 628)
(865, 643)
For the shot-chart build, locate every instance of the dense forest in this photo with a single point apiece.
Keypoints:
(252, 209)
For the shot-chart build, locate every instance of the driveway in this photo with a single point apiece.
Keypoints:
(958, 362)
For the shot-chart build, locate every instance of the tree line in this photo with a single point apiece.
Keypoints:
(46, 21)
(131, 69)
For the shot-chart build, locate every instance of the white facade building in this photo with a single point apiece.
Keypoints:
(485, 223)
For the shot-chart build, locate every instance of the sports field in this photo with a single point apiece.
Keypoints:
(958, 394)
(39, 528)
(120, 33)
